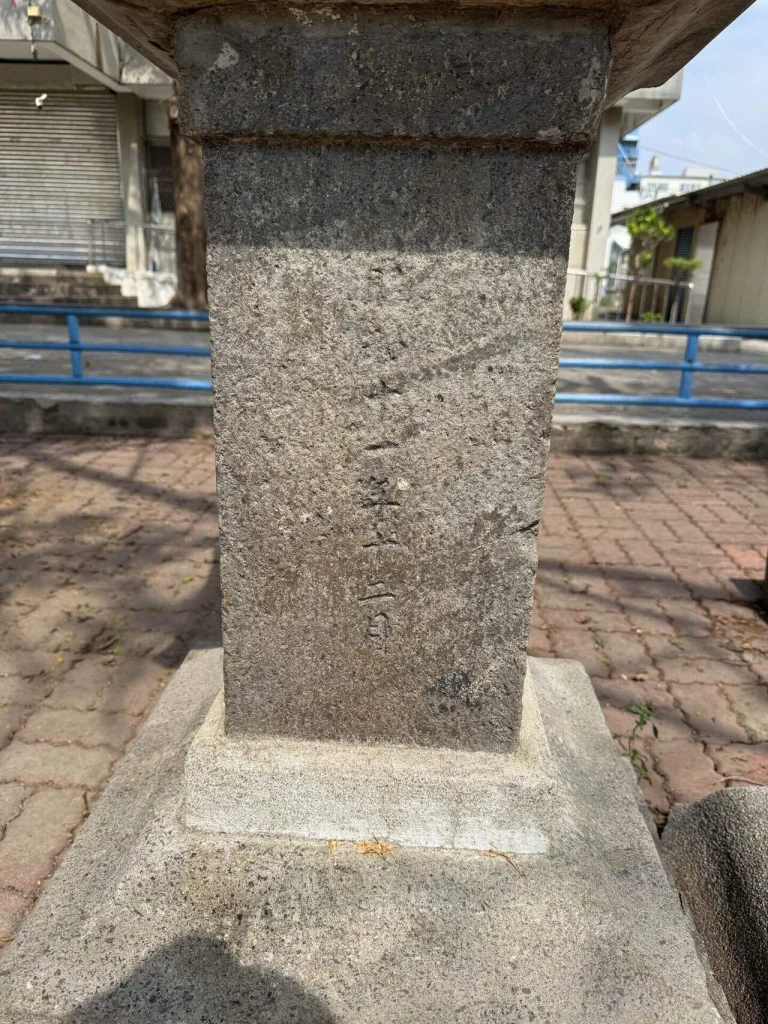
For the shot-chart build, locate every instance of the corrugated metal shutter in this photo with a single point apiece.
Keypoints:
(59, 169)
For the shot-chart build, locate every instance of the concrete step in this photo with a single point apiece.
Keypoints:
(54, 286)
(48, 274)
(101, 296)
(69, 299)
(49, 286)
(105, 292)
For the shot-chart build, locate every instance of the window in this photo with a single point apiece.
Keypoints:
(684, 243)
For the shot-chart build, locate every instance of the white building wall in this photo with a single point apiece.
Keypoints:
(591, 223)
(604, 157)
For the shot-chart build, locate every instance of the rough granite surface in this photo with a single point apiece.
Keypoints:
(651, 39)
(718, 851)
(413, 796)
(148, 922)
(356, 72)
(385, 331)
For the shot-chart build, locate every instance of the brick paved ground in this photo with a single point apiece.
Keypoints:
(108, 573)
(648, 577)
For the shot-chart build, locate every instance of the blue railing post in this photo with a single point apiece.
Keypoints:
(687, 367)
(686, 377)
(75, 346)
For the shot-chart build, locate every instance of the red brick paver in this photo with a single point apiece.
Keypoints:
(108, 574)
(649, 574)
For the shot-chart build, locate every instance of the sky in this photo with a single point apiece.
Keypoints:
(731, 71)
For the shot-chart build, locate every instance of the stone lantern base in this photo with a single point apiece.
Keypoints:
(407, 795)
(149, 920)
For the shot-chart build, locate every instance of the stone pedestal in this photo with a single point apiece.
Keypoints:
(388, 198)
(148, 922)
(389, 193)
(413, 796)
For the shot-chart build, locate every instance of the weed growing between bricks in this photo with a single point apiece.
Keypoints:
(649, 574)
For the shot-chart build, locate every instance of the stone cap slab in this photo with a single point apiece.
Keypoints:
(353, 73)
(652, 39)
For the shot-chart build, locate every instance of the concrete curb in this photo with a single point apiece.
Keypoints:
(191, 416)
(111, 322)
(622, 435)
(717, 849)
(663, 342)
(124, 416)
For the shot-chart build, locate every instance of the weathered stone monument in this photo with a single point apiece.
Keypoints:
(389, 813)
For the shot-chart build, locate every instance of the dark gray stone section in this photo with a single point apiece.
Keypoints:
(385, 331)
(652, 39)
(147, 922)
(718, 851)
(352, 71)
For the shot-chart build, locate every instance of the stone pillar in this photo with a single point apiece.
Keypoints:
(389, 196)
(130, 137)
(602, 178)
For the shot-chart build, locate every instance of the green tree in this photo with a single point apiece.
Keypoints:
(681, 266)
(647, 229)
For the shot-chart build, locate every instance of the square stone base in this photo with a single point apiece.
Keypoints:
(149, 921)
(412, 796)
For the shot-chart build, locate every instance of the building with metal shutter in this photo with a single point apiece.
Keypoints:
(59, 173)
(82, 119)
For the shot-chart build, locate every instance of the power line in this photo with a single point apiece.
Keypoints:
(728, 121)
(685, 159)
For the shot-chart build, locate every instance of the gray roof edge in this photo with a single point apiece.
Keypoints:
(755, 182)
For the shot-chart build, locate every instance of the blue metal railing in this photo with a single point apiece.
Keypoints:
(687, 367)
(76, 347)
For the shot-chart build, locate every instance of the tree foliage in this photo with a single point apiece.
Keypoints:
(647, 229)
(681, 266)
